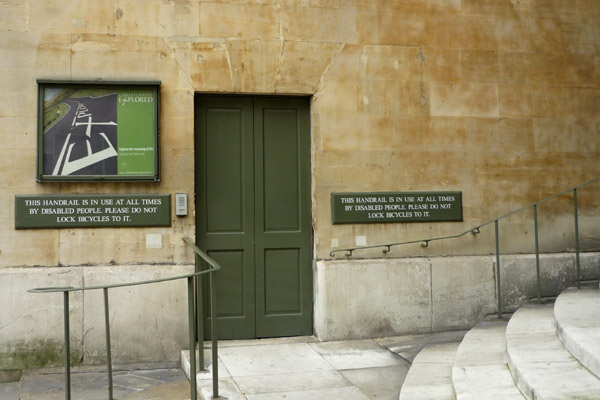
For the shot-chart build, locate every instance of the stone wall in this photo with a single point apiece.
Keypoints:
(474, 95)
(148, 323)
(375, 298)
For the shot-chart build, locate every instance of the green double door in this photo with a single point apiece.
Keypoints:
(253, 212)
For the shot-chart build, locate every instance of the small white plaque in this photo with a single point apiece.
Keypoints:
(153, 241)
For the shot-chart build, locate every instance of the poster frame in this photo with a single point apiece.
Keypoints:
(44, 84)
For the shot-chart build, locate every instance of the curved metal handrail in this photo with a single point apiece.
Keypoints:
(118, 285)
(474, 230)
(192, 319)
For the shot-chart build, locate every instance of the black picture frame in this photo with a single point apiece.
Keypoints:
(98, 131)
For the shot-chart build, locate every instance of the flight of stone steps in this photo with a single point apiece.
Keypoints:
(544, 352)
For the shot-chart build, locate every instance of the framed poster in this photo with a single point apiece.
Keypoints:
(98, 131)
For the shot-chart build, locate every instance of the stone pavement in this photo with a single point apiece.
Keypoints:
(263, 369)
(133, 382)
(304, 368)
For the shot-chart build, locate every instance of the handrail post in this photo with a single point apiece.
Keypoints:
(199, 317)
(192, 334)
(67, 346)
(214, 330)
(108, 349)
(537, 254)
(577, 261)
(499, 289)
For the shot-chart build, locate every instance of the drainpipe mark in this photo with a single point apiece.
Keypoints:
(422, 95)
(277, 76)
(319, 86)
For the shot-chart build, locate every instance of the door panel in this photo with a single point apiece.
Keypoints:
(253, 212)
(282, 217)
(231, 280)
(225, 172)
(225, 208)
(282, 278)
(280, 168)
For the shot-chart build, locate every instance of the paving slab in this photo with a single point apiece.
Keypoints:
(9, 391)
(91, 383)
(170, 391)
(304, 369)
(345, 393)
(88, 385)
(430, 375)
(577, 316)
(409, 346)
(480, 368)
(541, 367)
(291, 382)
(378, 383)
(272, 359)
(137, 380)
(355, 354)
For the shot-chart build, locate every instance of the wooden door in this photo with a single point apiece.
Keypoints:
(253, 211)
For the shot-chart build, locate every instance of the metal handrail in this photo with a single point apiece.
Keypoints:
(476, 229)
(193, 320)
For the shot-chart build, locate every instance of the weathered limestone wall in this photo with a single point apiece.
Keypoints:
(497, 98)
(375, 298)
(480, 96)
(148, 323)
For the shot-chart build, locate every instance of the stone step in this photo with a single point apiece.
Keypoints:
(577, 316)
(541, 367)
(227, 388)
(430, 375)
(480, 369)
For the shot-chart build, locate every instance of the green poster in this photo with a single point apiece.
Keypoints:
(135, 113)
